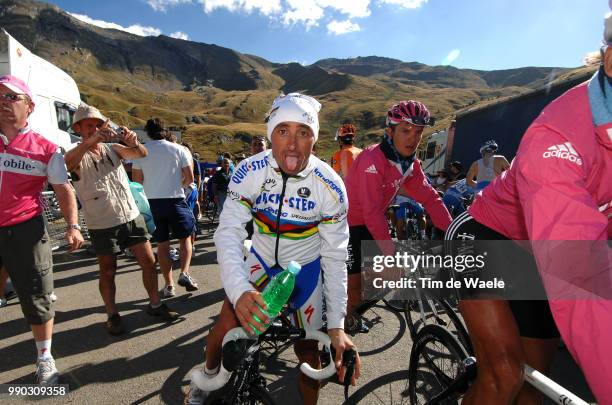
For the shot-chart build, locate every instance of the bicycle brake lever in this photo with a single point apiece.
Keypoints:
(348, 361)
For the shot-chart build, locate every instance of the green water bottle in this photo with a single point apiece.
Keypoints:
(277, 292)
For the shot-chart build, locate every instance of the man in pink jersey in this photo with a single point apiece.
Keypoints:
(373, 181)
(27, 162)
(557, 195)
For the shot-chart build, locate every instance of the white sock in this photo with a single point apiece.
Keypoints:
(212, 372)
(159, 304)
(43, 349)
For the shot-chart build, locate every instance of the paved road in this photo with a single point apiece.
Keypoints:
(150, 364)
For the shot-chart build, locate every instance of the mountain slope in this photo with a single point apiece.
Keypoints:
(165, 62)
(439, 76)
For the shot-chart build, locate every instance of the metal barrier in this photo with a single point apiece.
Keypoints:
(55, 222)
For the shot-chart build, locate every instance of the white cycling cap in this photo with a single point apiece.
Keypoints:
(294, 107)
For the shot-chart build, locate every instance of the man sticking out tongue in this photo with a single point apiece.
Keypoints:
(293, 129)
(298, 206)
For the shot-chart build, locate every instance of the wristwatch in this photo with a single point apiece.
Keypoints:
(74, 226)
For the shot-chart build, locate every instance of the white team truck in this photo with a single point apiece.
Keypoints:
(56, 94)
(433, 158)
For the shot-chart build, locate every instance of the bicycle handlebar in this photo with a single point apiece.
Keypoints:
(212, 384)
(330, 369)
(217, 382)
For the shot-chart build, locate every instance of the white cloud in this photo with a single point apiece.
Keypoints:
(211, 5)
(180, 35)
(138, 29)
(451, 57)
(342, 27)
(162, 5)
(135, 29)
(405, 3)
(307, 12)
(265, 7)
(290, 12)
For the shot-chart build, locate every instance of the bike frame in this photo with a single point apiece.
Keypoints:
(247, 375)
(550, 388)
(539, 381)
(243, 364)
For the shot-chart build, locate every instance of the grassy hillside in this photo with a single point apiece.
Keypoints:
(216, 118)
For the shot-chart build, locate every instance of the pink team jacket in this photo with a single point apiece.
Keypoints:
(559, 188)
(372, 184)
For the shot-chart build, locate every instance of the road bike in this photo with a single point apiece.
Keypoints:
(239, 380)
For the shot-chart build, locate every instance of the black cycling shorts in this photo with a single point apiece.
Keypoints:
(533, 317)
(357, 234)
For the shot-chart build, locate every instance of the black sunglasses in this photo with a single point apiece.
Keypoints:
(12, 97)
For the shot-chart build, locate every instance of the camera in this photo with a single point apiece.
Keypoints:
(119, 132)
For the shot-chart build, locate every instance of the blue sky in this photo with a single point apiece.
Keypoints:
(479, 34)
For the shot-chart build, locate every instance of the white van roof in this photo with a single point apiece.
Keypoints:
(51, 86)
(42, 76)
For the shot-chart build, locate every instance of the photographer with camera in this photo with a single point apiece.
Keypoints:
(111, 214)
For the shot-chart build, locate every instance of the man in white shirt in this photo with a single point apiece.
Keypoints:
(164, 173)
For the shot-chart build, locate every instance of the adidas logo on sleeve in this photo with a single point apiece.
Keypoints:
(563, 151)
(371, 170)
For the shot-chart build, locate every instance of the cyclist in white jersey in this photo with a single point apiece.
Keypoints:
(299, 207)
(487, 168)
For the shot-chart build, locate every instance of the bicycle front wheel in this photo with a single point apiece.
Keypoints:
(436, 361)
(436, 312)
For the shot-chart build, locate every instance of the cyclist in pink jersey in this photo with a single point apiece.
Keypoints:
(374, 180)
(557, 189)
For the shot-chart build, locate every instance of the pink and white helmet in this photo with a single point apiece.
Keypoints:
(410, 111)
